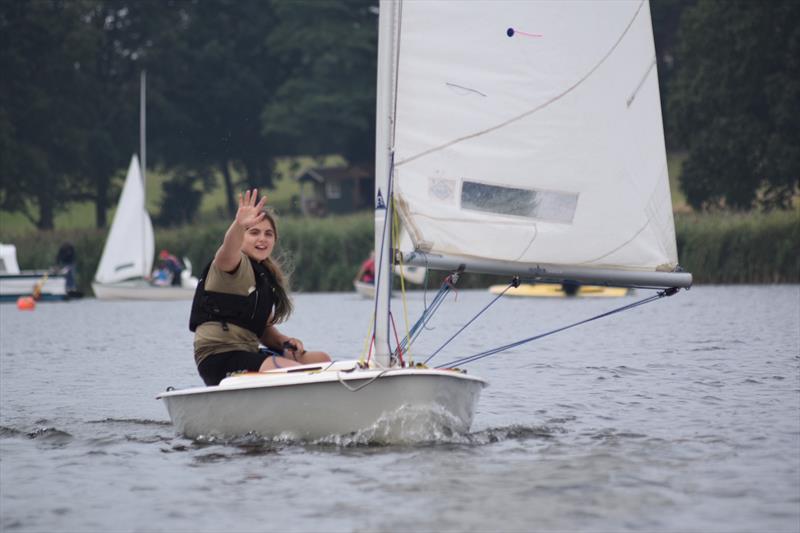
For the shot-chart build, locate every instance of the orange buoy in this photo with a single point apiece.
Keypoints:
(26, 303)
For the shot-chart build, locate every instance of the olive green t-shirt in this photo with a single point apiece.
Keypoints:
(210, 337)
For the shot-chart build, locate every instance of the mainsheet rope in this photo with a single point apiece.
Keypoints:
(396, 241)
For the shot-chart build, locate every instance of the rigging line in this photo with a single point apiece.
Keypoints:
(399, 32)
(425, 283)
(358, 388)
(465, 326)
(447, 285)
(371, 345)
(417, 328)
(395, 239)
(370, 337)
(481, 355)
(398, 350)
(535, 109)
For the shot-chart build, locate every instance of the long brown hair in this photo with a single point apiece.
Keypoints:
(283, 304)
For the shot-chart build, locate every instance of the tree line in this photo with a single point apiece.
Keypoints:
(231, 84)
(234, 84)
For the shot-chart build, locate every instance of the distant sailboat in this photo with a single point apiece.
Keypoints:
(412, 274)
(515, 138)
(549, 290)
(126, 264)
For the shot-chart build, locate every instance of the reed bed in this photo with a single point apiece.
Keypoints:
(324, 254)
(740, 247)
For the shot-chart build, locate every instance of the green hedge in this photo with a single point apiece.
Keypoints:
(324, 254)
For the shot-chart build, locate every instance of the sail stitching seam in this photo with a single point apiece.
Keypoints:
(623, 245)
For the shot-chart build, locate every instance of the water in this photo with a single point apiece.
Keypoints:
(682, 415)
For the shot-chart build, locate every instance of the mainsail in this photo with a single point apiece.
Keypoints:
(529, 135)
(130, 245)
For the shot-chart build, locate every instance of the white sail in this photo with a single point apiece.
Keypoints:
(130, 245)
(539, 145)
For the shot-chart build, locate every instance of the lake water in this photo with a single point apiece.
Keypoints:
(681, 415)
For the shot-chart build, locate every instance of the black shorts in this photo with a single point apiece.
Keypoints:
(215, 368)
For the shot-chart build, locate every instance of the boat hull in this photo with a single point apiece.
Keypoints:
(367, 290)
(12, 286)
(555, 291)
(388, 406)
(140, 290)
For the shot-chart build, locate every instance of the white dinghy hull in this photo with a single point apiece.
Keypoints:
(140, 290)
(399, 405)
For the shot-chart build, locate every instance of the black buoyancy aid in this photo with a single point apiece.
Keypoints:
(250, 312)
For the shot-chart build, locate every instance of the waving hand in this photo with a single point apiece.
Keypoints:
(250, 212)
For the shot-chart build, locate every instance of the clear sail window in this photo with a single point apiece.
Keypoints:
(551, 206)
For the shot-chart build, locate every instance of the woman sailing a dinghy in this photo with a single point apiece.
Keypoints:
(241, 295)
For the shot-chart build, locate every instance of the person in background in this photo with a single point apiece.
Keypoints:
(366, 273)
(66, 261)
(241, 296)
(169, 271)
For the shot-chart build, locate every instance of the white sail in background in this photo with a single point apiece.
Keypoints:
(130, 245)
(539, 145)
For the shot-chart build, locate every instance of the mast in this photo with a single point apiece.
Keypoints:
(143, 124)
(143, 158)
(384, 143)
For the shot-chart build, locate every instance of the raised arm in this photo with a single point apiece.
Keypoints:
(250, 212)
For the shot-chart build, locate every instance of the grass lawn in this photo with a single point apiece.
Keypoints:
(212, 207)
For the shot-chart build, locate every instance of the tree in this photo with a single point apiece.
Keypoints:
(326, 103)
(213, 79)
(69, 112)
(41, 51)
(666, 16)
(734, 98)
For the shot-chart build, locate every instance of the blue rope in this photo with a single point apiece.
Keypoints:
(481, 355)
(427, 314)
(470, 322)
